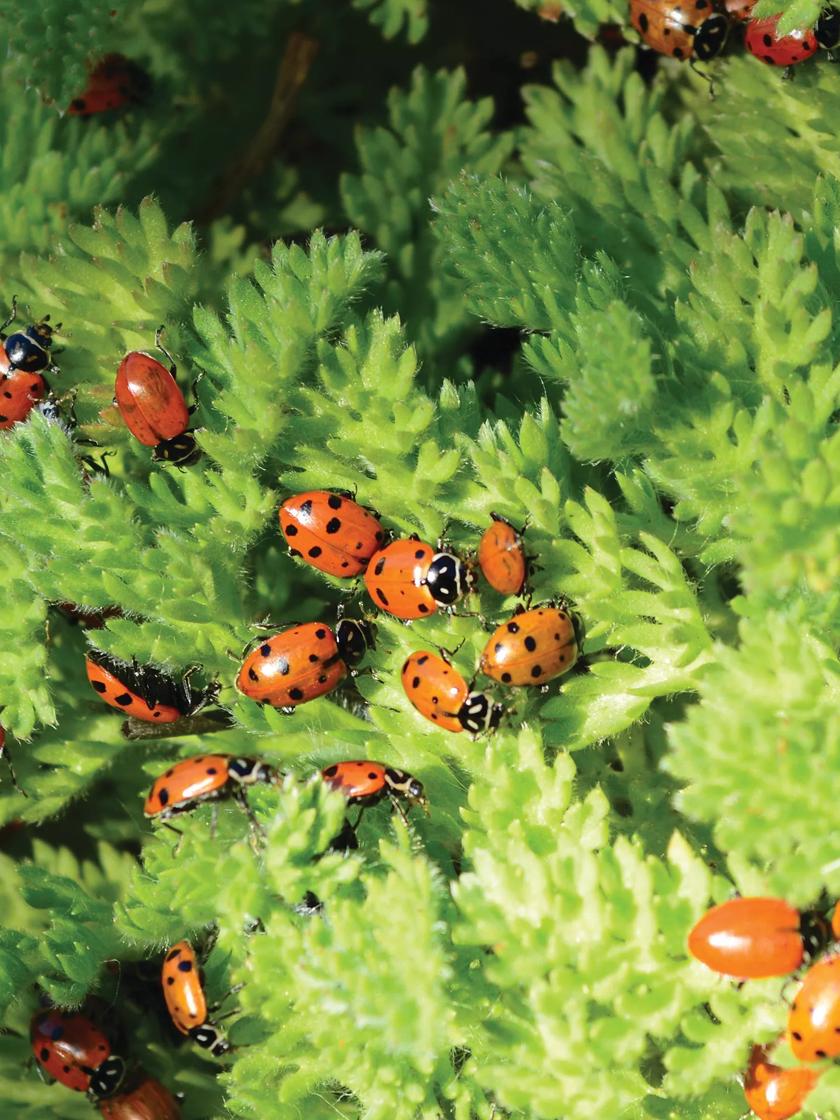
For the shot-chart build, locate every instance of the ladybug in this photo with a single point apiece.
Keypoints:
(206, 777)
(114, 82)
(143, 692)
(153, 406)
(148, 1100)
(302, 663)
(183, 991)
(409, 579)
(813, 1030)
(501, 557)
(93, 618)
(19, 393)
(754, 938)
(331, 532)
(74, 1052)
(439, 692)
(680, 28)
(27, 350)
(534, 647)
(366, 783)
(761, 40)
(774, 1093)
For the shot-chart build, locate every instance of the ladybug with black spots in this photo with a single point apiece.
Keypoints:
(146, 1099)
(439, 692)
(774, 1093)
(183, 991)
(204, 778)
(366, 783)
(409, 579)
(153, 407)
(114, 82)
(683, 29)
(143, 692)
(813, 1030)
(331, 532)
(19, 394)
(534, 647)
(302, 663)
(761, 40)
(74, 1051)
(501, 557)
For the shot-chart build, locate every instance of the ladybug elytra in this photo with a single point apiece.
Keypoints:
(142, 692)
(74, 1052)
(813, 1030)
(501, 557)
(761, 40)
(206, 777)
(153, 406)
(147, 1100)
(439, 692)
(410, 579)
(532, 648)
(683, 29)
(755, 938)
(774, 1093)
(331, 532)
(183, 991)
(115, 81)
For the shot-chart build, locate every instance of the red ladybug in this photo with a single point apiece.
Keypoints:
(753, 938)
(501, 557)
(114, 82)
(206, 777)
(409, 579)
(788, 50)
(302, 663)
(774, 1093)
(533, 647)
(183, 991)
(330, 532)
(148, 1100)
(439, 692)
(366, 783)
(680, 28)
(142, 692)
(19, 394)
(813, 1030)
(153, 407)
(74, 1052)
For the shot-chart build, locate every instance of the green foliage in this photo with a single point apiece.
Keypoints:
(612, 324)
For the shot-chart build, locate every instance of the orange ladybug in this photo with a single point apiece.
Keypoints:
(754, 938)
(143, 692)
(331, 532)
(532, 648)
(153, 407)
(683, 29)
(183, 991)
(774, 1093)
(366, 783)
(148, 1100)
(813, 1030)
(409, 579)
(206, 777)
(501, 557)
(439, 692)
(302, 663)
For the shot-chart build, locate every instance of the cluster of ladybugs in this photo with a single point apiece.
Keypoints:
(697, 29)
(72, 1048)
(756, 938)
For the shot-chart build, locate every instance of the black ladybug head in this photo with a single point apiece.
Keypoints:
(827, 29)
(181, 450)
(107, 1078)
(478, 713)
(210, 1038)
(27, 353)
(354, 637)
(710, 36)
(248, 771)
(448, 578)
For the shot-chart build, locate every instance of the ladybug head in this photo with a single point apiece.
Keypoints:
(478, 713)
(181, 450)
(710, 36)
(107, 1078)
(399, 782)
(449, 578)
(41, 334)
(354, 637)
(827, 29)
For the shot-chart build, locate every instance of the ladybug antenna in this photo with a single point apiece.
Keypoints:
(705, 77)
(5, 753)
(163, 350)
(11, 318)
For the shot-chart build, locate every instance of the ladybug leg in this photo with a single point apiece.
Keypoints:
(4, 752)
(173, 369)
(11, 318)
(395, 803)
(232, 991)
(257, 832)
(446, 654)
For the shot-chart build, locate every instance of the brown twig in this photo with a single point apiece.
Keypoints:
(292, 72)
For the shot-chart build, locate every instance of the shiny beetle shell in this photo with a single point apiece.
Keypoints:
(293, 667)
(532, 648)
(501, 557)
(683, 29)
(331, 532)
